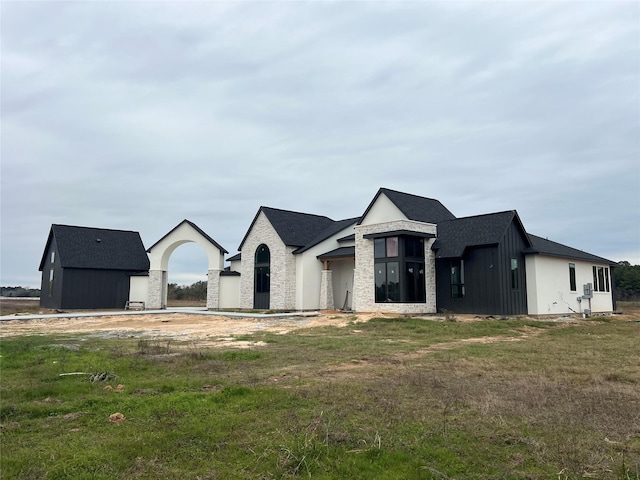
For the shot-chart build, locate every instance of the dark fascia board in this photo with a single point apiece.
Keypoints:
(197, 229)
(255, 218)
(341, 252)
(400, 207)
(237, 256)
(395, 233)
(370, 206)
(563, 251)
(229, 273)
(46, 249)
(348, 238)
(328, 232)
(435, 248)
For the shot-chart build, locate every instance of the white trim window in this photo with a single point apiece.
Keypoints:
(600, 279)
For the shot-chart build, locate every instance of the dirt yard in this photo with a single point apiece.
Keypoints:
(210, 330)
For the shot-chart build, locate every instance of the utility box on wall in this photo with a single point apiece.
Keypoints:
(587, 290)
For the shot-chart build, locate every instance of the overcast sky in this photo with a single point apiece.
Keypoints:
(136, 115)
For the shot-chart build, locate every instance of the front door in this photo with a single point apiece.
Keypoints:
(262, 274)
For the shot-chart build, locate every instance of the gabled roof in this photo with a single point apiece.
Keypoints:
(295, 229)
(97, 248)
(542, 246)
(197, 229)
(454, 236)
(419, 209)
(328, 232)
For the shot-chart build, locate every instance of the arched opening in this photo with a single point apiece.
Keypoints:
(261, 277)
(187, 276)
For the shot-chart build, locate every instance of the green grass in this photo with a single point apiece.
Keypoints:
(402, 398)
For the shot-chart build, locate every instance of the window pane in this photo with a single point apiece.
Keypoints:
(414, 282)
(379, 248)
(606, 279)
(392, 247)
(393, 282)
(262, 254)
(381, 282)
(600, 279)
(53, 257)
(413, 247)
(595, 279)
(572, 277)
(514, 273)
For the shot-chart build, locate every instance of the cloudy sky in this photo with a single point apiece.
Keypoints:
(136, 115)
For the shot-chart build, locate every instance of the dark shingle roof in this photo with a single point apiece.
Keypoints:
(97, 248)
(543, 246)
(341, 252)
(197, 229)
(454, 236)
(332, 229)
(295, 229)
(419, 209)
(237, 256)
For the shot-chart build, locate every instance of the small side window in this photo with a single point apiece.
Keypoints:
(572, 277)
(53, 257)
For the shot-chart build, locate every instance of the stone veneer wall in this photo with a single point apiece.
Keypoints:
(364, 275)
(213, 289)
(282, 270)
(154, 298)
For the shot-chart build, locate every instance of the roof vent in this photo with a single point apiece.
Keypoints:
(98, 240)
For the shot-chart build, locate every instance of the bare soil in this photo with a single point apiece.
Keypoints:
(212, 330)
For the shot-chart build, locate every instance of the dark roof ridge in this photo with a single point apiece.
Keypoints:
(544, 246)
(93, 228)
(263, 207)
(385, 189)
(480, 215)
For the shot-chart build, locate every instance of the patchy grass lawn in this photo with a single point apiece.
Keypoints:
(389, 398)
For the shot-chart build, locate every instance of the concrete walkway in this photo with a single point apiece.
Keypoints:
(184, 310)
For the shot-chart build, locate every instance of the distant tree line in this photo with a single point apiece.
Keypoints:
(196, 291)
(627, 281)
(19, 292)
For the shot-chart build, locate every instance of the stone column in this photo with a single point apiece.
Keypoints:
(154, 297)
(213, 289)
(326, 291)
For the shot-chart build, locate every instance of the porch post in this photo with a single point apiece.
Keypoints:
(213, 289)
(326, 290)
(154, 297)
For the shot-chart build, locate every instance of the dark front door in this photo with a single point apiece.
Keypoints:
(262, 283)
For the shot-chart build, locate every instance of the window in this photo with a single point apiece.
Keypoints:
(53, 256)
(51, 282)
(399, 269)
(572, 277)
(600, 279)
(457, 278)
(514, 274)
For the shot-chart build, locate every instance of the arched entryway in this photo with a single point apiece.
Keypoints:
(161, 251)
(262, 278)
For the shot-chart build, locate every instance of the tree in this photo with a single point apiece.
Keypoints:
(627, 281)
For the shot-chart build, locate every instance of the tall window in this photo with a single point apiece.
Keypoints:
(600, 279)
(51, 282)
(399, 269)
(262, 273)
(457, 278)
(514, 274)
(572, 277)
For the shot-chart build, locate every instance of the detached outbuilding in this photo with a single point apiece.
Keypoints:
(85, 267)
